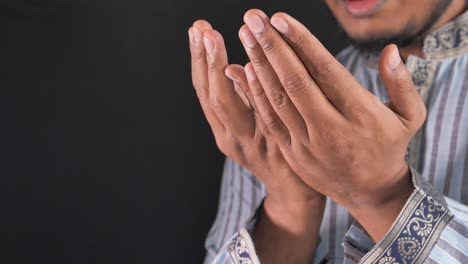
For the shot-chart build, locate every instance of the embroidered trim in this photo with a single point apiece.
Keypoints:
(422, 72)
(449, 40)
(416, 230)
(242, 250)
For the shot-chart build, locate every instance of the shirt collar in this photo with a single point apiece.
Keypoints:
(447, 41)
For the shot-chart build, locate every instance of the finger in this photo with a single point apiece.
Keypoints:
(200, 74)
(227, 105)
(273, 88)
(404, 99)
(297, 82)
(269, 118)
(197, 49)
(237, 74)
(336, 82)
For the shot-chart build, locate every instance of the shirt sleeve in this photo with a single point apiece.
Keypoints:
(429, 229)
(229, 239)
(240, 197)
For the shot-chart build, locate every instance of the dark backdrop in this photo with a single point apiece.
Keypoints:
(105, 154)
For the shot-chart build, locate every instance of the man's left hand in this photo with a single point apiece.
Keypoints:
(337, 136)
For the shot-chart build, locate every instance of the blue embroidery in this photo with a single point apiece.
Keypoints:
(239, 250)
(420, 229)
(449, 39)
(416, 230)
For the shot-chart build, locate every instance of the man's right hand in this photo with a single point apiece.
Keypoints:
(289, 221)
(230, 111)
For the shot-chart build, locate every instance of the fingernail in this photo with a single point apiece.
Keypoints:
(248, 39)
(209, 45)
(190, 33)
(197, 35)
(255, 23)
(230, 75)
(250, 73)
(394, 60)
(280, 24)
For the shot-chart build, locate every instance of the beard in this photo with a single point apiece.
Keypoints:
(412, 32)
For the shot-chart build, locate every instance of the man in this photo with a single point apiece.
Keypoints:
(350, 159)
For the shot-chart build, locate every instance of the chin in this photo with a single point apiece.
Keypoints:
(370, 35)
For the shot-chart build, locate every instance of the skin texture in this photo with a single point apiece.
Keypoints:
(238, 130)
(300, 122)
(335, 135)
(292, 211)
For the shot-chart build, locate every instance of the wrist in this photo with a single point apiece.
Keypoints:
(287, 231)
(295, 216)
(293, 194)
(378, 211)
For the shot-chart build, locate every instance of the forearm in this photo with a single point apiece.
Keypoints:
(288, 232)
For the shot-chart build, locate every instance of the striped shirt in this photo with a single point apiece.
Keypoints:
(430, 228)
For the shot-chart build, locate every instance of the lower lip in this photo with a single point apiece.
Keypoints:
(362, 7)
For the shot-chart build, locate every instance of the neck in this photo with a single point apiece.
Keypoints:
(456, 8)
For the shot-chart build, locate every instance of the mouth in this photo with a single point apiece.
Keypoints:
(363, 8)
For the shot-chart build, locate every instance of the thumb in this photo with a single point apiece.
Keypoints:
(404, 98)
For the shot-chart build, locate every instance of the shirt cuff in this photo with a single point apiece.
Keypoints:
(241, 247)
(242, 250)
(412, 235)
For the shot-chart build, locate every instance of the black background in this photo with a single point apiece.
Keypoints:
(105, 153)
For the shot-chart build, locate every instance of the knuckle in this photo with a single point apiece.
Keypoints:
(200, 89)
(216, 104)
(260, 61)
(257, 92)
(404, 77)
(300, 40)
(271, 122)
(268, 44)
(361, 116)
(211, 67)
(197, 54)
(332, 138)
(278, 98)
(405, 85)
(323, 69)
(202, 94)
(296, 83)
(274, 125)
